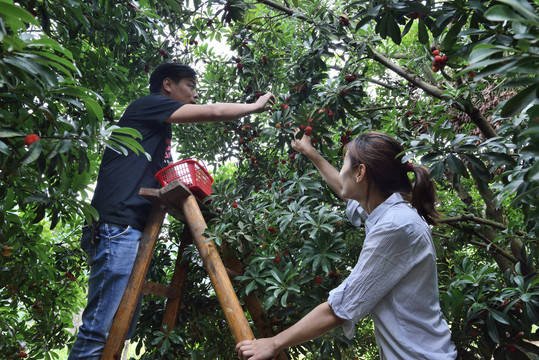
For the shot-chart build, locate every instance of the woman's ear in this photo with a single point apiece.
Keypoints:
(361, 172)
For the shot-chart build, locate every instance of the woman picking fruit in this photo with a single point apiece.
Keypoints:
(395, 278)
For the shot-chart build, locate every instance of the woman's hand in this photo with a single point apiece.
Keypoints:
(265, 102)
(302, 146)
(257, 349)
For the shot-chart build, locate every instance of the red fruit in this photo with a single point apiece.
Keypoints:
(331, 113)
(283, 161)
(239, 66)
(238, 60)
(246, 127)
(278, 126)
(302, 127)
(301, 88)
(283, 179)
(437, 59)
(435, 69)
(308, 131)
(344, 21)
(292, 156)
(435, 52)
(511, 348)
(348, 132)
(264, 59)
(350, 78)
(432, 48)
(445, 59)
(287, 124)
(331, 273)
(30, 139)
(274, 320)
(258, 94)
(318, 280)
(284, 106)
(409, 112)
(234, 204)
(272, 230)
(277, 259)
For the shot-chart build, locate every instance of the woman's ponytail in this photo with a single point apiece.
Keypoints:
(424, 194)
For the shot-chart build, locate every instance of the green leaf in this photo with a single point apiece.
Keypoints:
(15, 17)
(422, 32)
(4, 148)
(452, 35)
(479, 167)
(524, 8)
(33, 153)
(500, 158)
(455, 164)
(7, 133)
(520, 101)
(483, 51)
(126, 130)
(394, 30)
(502, 13)
(533, 173)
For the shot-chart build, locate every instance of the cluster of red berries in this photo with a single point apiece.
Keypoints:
(439, 61)
(239, 65)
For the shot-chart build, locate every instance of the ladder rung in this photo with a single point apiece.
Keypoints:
(150, 287)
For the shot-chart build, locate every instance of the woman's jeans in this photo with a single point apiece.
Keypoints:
(111, 251)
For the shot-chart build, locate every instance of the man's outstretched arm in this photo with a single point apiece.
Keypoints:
(192, 113)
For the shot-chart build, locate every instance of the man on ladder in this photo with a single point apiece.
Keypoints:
(112, 243)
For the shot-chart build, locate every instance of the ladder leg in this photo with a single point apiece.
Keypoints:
(178, 283)
(124, 314)
(213, 264)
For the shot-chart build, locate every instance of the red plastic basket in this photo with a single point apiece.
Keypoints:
(191, 173)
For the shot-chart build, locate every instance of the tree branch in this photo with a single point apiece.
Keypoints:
(284, 9)
(470, 217)
(494, 249)
(425, 86)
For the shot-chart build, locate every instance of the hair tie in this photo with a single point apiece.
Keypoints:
(409, 166)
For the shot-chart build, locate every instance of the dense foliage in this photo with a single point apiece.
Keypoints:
(453, 80)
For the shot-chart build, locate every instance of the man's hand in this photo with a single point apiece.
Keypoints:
(265, 102)
(258, 349)
(304, 145)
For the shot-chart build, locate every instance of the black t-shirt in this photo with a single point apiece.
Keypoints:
(120, 178)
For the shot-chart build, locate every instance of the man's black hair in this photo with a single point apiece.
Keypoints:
(174, 71)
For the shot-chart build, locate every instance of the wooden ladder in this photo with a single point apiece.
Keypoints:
(179, 202)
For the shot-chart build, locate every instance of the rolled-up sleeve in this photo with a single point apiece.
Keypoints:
(386, 257)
